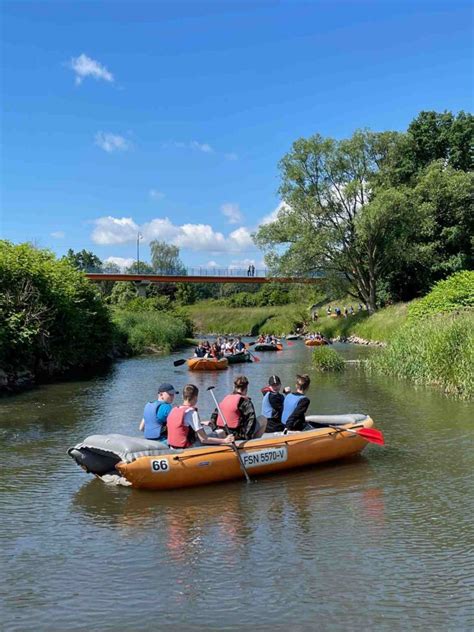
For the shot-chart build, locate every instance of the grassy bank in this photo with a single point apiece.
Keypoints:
(380, 326)
(210, 317)
(438, 351)
(142, 332)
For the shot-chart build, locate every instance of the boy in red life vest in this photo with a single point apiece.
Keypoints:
(239, 413)
(184, 425)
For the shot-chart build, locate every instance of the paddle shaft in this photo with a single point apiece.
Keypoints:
(234, 447)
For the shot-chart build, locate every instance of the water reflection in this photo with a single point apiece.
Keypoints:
(301, 546)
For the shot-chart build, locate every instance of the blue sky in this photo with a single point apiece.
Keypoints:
(170, 118)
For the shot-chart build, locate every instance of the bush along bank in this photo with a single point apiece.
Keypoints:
(436, 344)
(326, 359)
(55, 323)
(52, 319)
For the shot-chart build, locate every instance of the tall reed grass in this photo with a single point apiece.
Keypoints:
(438, 351)
(326, 359)
(151, 331)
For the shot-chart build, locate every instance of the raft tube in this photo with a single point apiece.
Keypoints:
(315, 343)
(157, 467)
(207, 364)
(263, 346)
(239, 358)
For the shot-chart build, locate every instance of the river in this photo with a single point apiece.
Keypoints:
(381, 542)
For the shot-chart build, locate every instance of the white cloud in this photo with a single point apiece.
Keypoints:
(111, 142)
(155, 194)
(232, 212)
(212, 264)
(196, 237)
(273, 216)
(114, 230)
(204, 147)
(58, 234)
(121, 262)
(193, 144)
(84, 67)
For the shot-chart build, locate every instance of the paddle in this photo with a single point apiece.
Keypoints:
(370, 434)
(252, 355)
(179, 362)
(232, 445)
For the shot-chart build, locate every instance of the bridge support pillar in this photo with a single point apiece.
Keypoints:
(141, 287)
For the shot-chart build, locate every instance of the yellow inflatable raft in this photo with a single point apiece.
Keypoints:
(272, 453)
(315, 342)
(207, 364)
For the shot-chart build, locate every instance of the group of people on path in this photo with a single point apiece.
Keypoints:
(220, 348)
(251, 270)
(346, 312)
(181, 426)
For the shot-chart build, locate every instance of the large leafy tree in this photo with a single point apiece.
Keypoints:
(84, 260)
(433, 136)
(333, 220)
(443, 243)
(165, 258)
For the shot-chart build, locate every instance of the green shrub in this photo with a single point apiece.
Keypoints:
(437, 351)
(455, 293)
(151, 330)
(326, 359)
(51, 317)
(152, 304)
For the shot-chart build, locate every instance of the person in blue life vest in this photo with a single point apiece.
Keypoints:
(239, 346)
(272, 404)
(156, 413)
(239, 413)
(185, 428)
(296, 404)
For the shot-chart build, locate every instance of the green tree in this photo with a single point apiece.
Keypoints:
(433, 136)
(84, 260)
(443, 243)
(165, 258)
(333, 221)
(51, 317)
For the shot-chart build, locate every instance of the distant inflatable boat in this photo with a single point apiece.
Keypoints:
(263, 346)
(207, 364)
(315, 342)
(239, 358)
(152, 465)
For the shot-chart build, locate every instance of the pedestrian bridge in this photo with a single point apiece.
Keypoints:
(204, 275)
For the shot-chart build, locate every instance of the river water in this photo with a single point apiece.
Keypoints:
(381, 542)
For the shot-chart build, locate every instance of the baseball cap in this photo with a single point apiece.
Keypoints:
(166, 388)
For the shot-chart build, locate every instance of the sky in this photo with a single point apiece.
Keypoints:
(169, 119)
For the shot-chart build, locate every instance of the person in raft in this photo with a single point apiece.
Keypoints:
(239, 413)
(296, 404)
(156, 413)
(184, 426)
(272, 404)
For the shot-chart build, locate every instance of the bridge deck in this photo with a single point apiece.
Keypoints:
(167, 278)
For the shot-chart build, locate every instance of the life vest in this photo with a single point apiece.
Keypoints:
(153, 428)
(267, 410)
(291, 402)
(230, 409)
(179, 434)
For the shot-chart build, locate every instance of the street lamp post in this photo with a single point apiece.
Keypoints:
(139, 236)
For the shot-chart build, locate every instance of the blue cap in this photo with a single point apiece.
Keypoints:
(167, 388)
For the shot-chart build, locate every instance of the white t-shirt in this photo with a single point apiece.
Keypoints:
(191, 419)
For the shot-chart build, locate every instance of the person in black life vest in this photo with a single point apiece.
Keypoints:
(184, 425)
(272, 404)
(239, 413)
(156, 413)
(296, 404)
